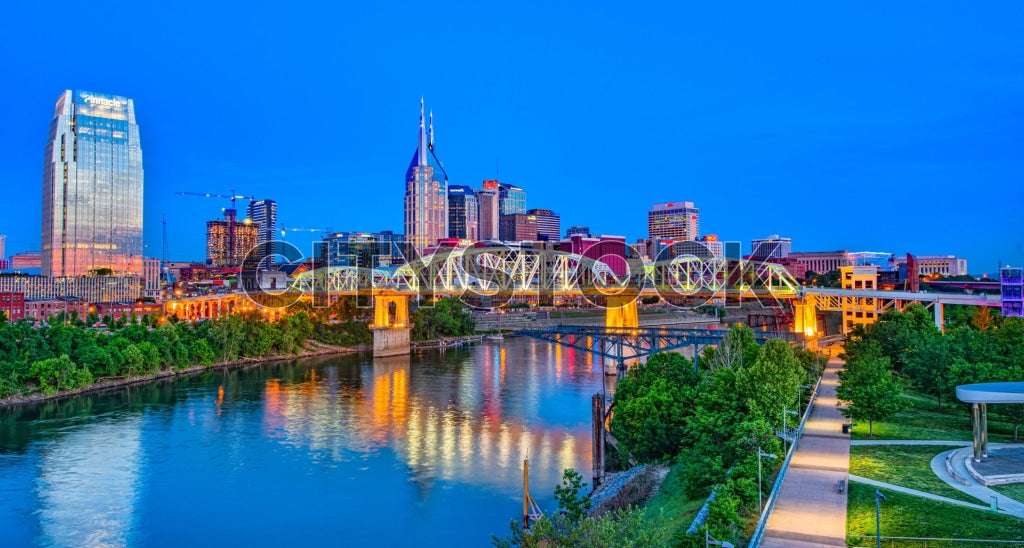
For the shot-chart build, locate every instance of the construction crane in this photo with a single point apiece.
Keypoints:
(230, 214)
(285, 230)
(231, 196)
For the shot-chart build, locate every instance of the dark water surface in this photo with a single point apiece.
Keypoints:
(423, 450)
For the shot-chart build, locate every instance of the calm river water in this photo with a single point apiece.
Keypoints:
(423, 450)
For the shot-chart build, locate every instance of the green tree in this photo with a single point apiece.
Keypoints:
(869, 389)
(626, 528)
(652, 405)
(567, 493)
(201, 352)
(772, 381)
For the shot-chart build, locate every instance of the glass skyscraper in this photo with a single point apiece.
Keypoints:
(264, 213)
(92, 187)
(511, 199)
(463, 214)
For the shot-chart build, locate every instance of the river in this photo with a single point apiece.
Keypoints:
(424, 449)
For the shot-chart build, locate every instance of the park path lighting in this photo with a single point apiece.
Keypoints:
(760, 453)
(879, 497)
(785, 428)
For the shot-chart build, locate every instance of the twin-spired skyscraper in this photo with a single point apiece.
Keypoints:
(92, 187)
(426, 199)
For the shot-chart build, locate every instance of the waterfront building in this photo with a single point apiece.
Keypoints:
(1011, 287)
(92, 187)
(772, 247)
(26, 260)
(511, 199)
(426, 199)
(578, 230)
(821, 261)
(229, 241)
(87, 288)
(463, 213)
(938, 265)
(13, 306)
(549, 224)
(858, 311)
(264, 213)
(673, 220)
(517, 227)
(364, 249)
(489, 210)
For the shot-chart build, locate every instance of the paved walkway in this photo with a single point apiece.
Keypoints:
(810, 511)
(915, 492)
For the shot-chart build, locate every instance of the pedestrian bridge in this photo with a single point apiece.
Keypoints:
(492, 276)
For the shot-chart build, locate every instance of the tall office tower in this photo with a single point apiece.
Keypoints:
(228, 241)
(426, 199)
(463, 214)
(264, 212)
(518, 227)
(511, 199)
(549, 224)
(92, 187)
(673, 220)
(3, 247)
(487, 200)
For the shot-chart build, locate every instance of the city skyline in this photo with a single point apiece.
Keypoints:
(844, 113)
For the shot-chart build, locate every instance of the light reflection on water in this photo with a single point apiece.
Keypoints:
(356, 450)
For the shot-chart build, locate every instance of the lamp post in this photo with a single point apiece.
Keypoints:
(785, 412)
(760, 453)
(879, 497)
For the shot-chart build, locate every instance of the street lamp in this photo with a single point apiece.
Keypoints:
(710, 541)
(785, 412)
(760, 453)
(879, 497)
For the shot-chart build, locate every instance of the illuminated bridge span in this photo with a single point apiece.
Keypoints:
(502, 269)
(492, 276)
(617, 344)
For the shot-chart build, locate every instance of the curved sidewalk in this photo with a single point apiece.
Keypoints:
(810, 511)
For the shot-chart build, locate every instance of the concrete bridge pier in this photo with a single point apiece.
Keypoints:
(620, 312)
(390, 325)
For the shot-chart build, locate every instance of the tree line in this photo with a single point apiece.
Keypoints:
(906, 349)
(65, 353)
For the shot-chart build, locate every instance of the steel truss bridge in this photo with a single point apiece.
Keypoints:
(499, 270)
(622, 343)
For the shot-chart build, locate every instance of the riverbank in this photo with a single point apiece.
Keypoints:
(110, 383)
(445, 342)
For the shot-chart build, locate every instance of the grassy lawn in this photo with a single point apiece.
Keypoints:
(1014, 491)
(671, 508)
(910, 516)
(904, 465)
(922, 420)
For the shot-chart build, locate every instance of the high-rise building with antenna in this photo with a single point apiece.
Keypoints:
(426, 198)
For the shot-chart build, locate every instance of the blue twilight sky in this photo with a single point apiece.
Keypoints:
(884, 126)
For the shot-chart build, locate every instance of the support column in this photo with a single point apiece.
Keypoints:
(940, 317)
(984, 430)
(976, 422)
(805, 317)
(390, 332)
(696, 353)
(620, 311)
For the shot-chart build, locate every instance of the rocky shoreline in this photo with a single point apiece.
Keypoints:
(314, 349)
